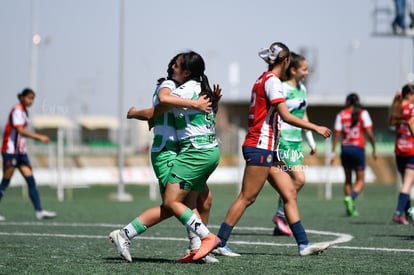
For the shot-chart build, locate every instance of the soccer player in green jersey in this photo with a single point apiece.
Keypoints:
(290, 148)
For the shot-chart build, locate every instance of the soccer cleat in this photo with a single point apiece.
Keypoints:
(211, 259)
(122, 243)
(409, 215)
(207, 244)
(410, 212)
(400, 219)
(276, 231)
(281, 227)
(225, 251)
(45, 214)
(2, 218)
(312, 248)
(350, 207)
(354, 213)
(188, 258)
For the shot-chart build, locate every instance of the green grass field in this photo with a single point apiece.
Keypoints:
(76, 241)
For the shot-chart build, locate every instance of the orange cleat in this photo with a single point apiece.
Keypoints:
(188, 258)
(207, 244)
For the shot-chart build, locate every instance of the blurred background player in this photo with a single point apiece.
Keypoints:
(290, 144)
(14, 151)
(402, 117)
(398, 24)
(352, 123)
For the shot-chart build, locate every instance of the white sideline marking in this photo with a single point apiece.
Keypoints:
(341, 237)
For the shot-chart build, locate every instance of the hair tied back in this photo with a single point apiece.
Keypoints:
(270, 55)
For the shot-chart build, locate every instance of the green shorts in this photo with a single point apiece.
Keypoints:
(291, 152)
(161, 164)
(192, 167)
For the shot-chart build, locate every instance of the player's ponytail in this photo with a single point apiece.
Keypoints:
(353, 100)
(194, 63)
(206, 90)
(395, 112)
(275, 54)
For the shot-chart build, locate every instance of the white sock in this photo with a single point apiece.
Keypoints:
(130, 231)
(197, 226)
(195, 241)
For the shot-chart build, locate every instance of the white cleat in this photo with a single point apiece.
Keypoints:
(411, 212)
(224, 251)
(122, 243)
(211, 259)
(2, 218)
(45, 214)
(312, 248)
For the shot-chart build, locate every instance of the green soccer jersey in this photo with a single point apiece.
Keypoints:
(192, 126)
(297, 103)
(164, 127)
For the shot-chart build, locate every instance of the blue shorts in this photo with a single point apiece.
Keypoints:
(353, 157)
(404, 162)
(15, 160)
(258, 157)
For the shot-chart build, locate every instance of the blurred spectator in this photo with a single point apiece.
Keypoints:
(399, 25)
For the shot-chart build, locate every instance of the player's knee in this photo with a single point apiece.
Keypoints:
(290, 196)
(249, 201)
(299, 183)
(204, 203)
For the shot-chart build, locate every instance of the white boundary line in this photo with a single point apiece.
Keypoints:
(341, 237)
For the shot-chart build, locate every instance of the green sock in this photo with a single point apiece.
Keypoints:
(281, 203)
(194, 223)
(186, 216)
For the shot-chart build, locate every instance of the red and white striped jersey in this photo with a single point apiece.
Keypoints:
(264, 121)
(404, 143)
(352, 135)
(13, 142)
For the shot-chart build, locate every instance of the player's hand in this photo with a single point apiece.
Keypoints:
(217, 91)
(44, 139)
(332, 158)
(131, 112)
(313, 152)
(203, 104)
(323, 131)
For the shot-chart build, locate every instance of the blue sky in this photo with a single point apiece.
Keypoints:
(78, 56)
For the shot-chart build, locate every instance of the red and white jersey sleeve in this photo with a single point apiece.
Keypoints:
(13, 142)
(404, 143)
(264, 121)
(352, 135)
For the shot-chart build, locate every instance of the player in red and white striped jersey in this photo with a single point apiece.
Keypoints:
(402, 117)
(266, 105)
(14, 152)
(352, 123)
